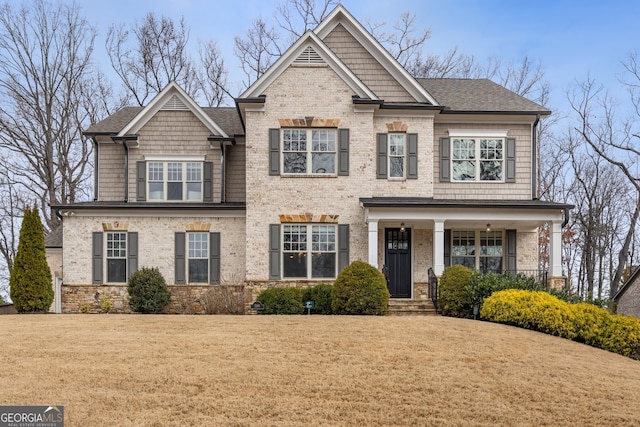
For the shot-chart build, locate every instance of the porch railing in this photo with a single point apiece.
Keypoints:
(539, 275)
(433, 287)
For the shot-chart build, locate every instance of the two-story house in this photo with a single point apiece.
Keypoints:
(335, 154)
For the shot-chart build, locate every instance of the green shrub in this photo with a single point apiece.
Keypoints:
(320, 294)
(282, 301)
(481, 285)
(453, 299)
(360, 289)
(30, 284)
(582, 322)
(148, 292)
(105, 303)
(536, 310)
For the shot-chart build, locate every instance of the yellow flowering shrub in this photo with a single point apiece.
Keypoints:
(582, 322)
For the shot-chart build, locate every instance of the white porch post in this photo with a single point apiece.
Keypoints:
(373, 243)
(438, 247)
(555, 250)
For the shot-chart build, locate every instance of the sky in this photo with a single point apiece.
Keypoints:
(571, 39)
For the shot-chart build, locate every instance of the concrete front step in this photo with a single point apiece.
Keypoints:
(408, 307)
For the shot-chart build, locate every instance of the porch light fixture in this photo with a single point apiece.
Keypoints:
(402, 227)
(488, 227)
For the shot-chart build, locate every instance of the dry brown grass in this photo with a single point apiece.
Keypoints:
(144, 370)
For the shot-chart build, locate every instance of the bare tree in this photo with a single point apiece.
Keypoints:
(614, 140)
(150, 54)
(213, 80)
(47, 89)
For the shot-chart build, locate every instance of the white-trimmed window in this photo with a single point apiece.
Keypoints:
(477, 159)
(116, 250)
(309, 251)
(198, 257)
(396, 155)
(174, 181)
(309, 151)
(478, 250)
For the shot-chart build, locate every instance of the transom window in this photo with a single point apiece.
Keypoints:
(396, 155)
(174, 181)
(198, 257)
(309, 251)
(301, 157)
(478, 250)
(116, 257)
(477, 159)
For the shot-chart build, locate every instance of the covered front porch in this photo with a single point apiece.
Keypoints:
(409, 236)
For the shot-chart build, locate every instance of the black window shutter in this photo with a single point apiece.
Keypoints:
(132, 253)
(412, 156)
(511, 251)
(343, 152)
(445, 159)
(274, 151)
(510, 173)
(447, 248)
(180, 269)
(96, 258)
(343, 246)
(214, 258)
(381, 170)
(141, 181)
(207, 182)
(274, 251)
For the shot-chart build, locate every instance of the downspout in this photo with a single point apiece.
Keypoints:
(95, 169)
(126, 170)
(222, 175)
(534, 158)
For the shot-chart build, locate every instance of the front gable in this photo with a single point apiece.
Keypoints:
(171, 98)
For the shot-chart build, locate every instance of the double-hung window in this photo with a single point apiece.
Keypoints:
(116, 257)
(309, 151)
(478, 159)
(309, 251)
(198, 257)
(478, 156)
(396, 155)
(174, 181)
(478, 250)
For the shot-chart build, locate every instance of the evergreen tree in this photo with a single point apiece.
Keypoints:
(30, 282)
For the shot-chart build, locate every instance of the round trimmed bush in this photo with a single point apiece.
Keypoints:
(320, 294)
(281, 301)
(148, 292)
(453, 298)
(360, 289)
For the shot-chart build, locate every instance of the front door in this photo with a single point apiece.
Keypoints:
(398, 262)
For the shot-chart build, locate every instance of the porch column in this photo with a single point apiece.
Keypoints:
(438, 247)
(373, 243)
(555, 250)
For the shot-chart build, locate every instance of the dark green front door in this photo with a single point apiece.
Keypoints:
(398, 262)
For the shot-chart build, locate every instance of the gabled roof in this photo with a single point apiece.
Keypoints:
(225, 117)
(174, 94)
(53, 239)
(340, 16)
(308, 40)
(478, 95)
(632, 279)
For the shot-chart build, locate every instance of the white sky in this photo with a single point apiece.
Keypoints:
(570, 38)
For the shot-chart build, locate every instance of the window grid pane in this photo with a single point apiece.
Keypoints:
(116, 245)
(477, 159)
(319, 157)
(198, 245)
(174, 171)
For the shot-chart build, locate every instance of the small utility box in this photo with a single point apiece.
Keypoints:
(309, 306)
(257, 306)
